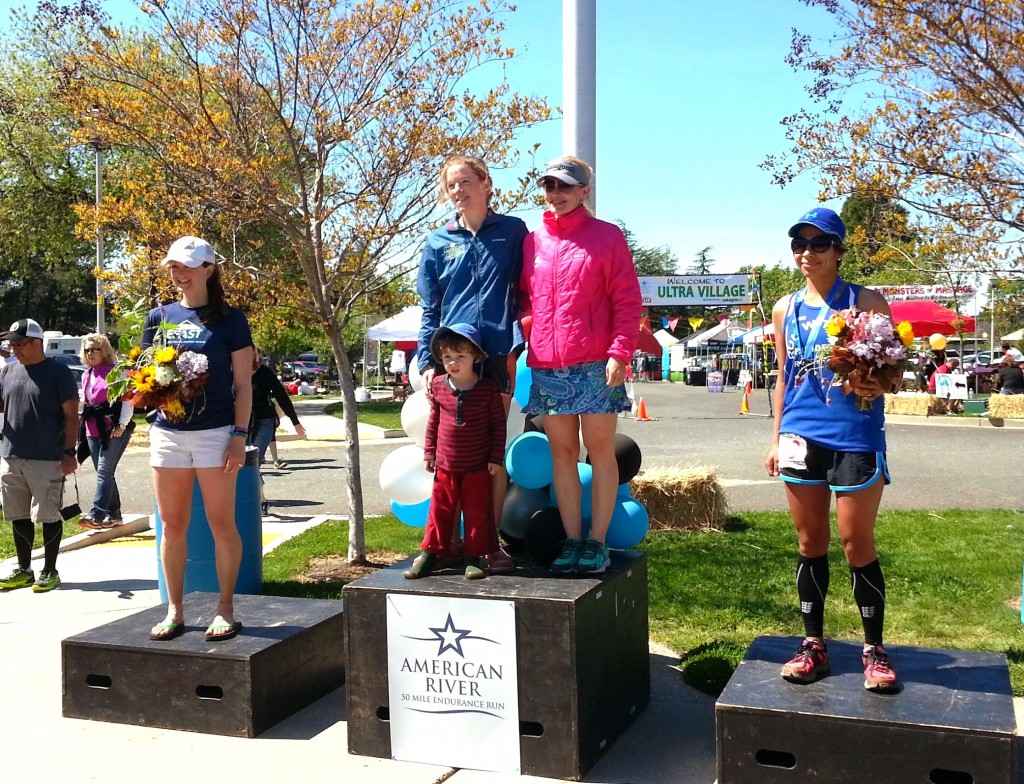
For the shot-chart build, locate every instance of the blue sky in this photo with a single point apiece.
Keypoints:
(689, 98)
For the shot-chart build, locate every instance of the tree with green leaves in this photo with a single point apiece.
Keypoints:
(650, 262)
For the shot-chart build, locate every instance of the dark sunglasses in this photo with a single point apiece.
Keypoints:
(94, 351)
(818, 244)
(551, 184)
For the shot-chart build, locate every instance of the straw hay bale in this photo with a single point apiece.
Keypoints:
(910, 404)
(1006, 407)
(687, 498)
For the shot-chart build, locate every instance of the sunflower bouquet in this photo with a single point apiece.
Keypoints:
(160, 377)
(868, 343)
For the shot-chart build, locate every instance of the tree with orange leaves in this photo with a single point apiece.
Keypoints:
(321, 119)
(922, 102)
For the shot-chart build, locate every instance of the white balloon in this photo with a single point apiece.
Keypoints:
(403, 477)
(415, 413)
(516, 422)
(415, 379)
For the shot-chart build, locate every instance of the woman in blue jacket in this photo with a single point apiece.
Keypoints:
(469, 273)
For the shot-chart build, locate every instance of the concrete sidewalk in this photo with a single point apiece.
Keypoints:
(672, 741)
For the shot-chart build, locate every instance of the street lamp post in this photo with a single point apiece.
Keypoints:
(99, 145)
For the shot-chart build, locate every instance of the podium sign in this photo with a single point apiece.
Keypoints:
(951, 386)
(453, 682)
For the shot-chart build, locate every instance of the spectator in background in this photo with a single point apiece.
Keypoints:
(306, 388)
(5, 352)
(398, 366)
(948, 366)
(107, 429)
(1011, 377)
(266, 388)
(39, 400)
(1013, 353)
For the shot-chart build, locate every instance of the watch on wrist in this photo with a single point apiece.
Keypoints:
(70, 452)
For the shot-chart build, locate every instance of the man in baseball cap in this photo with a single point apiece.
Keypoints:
(39, 400)
(190, 251)
(23, 328)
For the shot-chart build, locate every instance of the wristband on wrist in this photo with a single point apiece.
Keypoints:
(70, 452)
(239, 431)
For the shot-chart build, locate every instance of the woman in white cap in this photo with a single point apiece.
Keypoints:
(580, 285)
(824, 444)
(208, 442)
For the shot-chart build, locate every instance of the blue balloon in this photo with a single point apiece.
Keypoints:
(528, 460)
(624, 491)
(414, 515)
(629, 525)
(586, 472)
(524, 380)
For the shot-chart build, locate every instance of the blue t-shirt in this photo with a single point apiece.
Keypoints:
(33, 398)
(812, 407)
(214, 405)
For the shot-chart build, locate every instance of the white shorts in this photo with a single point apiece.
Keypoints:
(188, 448)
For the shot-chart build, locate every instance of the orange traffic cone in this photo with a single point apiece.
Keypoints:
(745, 406)
(641, 412)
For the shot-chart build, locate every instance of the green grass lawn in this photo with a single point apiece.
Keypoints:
(953, 580)
(381, 413)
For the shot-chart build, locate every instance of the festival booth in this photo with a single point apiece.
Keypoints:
(403, 329)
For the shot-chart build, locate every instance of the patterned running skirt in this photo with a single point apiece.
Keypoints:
(578, 389)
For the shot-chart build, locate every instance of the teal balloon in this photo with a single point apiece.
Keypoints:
(586, 474)
(414, 515)
(528, 461)
(629, 525)
(524, 380)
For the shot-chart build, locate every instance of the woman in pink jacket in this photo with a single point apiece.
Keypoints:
(579, 284)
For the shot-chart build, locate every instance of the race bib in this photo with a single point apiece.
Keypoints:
(792, 452)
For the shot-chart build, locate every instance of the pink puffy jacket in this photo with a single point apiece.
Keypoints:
(579, 282)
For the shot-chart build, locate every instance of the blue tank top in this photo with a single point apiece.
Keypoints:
(812, 407)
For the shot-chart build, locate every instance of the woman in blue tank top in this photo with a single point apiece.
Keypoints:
(823, 444)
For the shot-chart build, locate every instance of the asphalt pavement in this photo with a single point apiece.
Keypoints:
(109, 575)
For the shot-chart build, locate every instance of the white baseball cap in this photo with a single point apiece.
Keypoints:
(190, 251)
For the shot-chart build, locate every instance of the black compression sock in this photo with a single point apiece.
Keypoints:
(24, 538)
(869, 593)
(812, 578)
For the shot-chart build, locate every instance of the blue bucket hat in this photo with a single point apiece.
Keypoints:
(821, 218)
(463, 330)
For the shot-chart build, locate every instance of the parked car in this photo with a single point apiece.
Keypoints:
(310, 371)
(975, 360)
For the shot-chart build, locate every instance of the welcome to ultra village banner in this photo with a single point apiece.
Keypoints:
(710, 290)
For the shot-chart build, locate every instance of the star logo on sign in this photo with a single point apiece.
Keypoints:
(450, 637)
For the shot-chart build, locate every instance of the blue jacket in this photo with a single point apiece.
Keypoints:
(473, 280)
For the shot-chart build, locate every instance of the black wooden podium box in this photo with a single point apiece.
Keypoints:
(289, 654)
(582, 656)
(952, 723)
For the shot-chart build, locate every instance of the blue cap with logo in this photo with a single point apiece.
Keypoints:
(821, 218)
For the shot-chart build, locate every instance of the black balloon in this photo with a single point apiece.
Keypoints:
(545, 535)
(534, 423)
(627, 456)
(520, 503)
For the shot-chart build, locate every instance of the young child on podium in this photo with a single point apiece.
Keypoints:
(464, 448)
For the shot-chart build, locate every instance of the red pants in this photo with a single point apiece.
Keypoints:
(471, 489)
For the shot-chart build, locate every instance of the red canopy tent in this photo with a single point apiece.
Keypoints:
(647, 343)
(927, 318)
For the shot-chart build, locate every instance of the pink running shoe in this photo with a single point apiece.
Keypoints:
(878, 674)
(809, 663)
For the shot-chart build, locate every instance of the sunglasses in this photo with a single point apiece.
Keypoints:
(818, 244)
(551, 184)
(94, 351)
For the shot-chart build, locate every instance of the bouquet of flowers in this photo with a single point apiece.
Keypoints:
(159, 377)
(868, 343)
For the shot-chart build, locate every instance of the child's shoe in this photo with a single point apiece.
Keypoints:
(421, 567)
(474, 570)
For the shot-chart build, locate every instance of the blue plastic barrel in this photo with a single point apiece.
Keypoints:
(201, 568)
